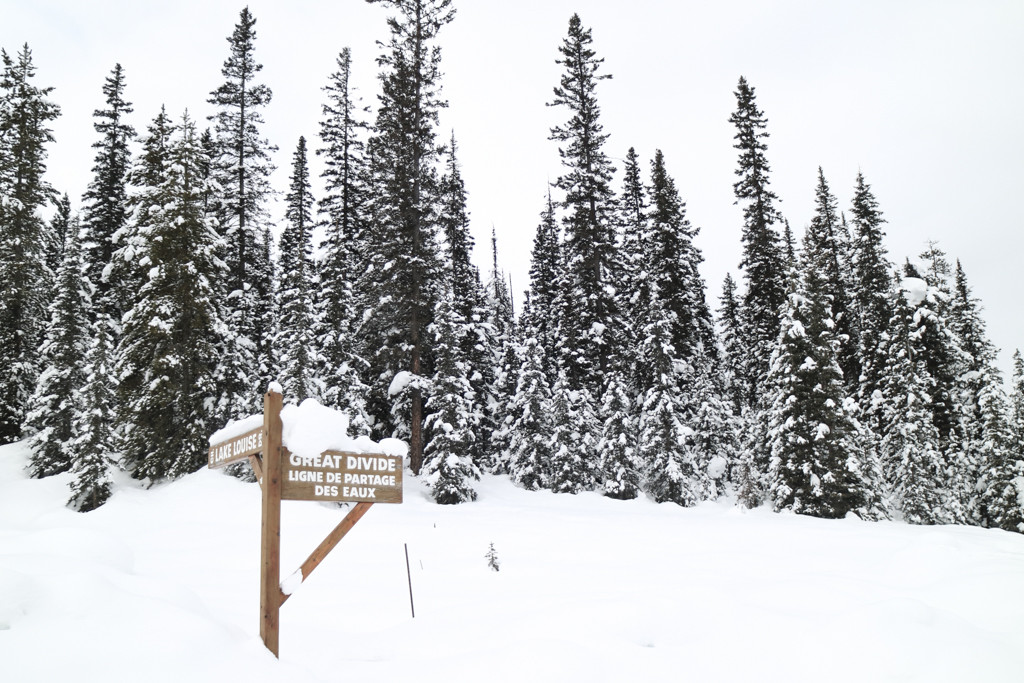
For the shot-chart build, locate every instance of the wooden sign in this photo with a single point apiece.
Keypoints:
(238, 448)
(338, 476)
(330, 476)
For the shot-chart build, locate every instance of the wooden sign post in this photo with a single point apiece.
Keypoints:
(330, 476)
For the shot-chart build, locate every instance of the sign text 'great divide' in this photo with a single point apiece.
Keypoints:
(338, 476)
(238, 448)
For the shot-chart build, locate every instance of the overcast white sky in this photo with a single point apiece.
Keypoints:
(924, 97)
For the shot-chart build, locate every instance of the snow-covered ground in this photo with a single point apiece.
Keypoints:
(162, 585)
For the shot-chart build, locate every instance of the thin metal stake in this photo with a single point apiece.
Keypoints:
(409, 574)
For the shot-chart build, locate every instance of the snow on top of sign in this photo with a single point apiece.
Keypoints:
(311, 428)
(237, 428)
(274, 388)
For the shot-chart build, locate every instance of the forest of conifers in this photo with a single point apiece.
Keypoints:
(832, 379)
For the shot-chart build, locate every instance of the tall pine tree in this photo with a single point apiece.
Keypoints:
(590, 328)
(54, 402)
(167, 351)
(242, 169)
(295, 332)
(25, 116)
(404, 264)
(105, 204)
(762, 261)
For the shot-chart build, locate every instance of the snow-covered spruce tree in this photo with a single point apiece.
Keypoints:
(93, 449)
(910, 449)
(762, 261)
(167, 350)
(664, 458)
(870, 300)
(265, 273)
(242, 170)
(504, 394)
(25, 116)
(476, 339)
(673, 264)
(733, 361)
(404, 274)
(546, 271)
(148, 171)
(448, 465)
(528, 427)
(589, 324)
(617, 453)
(1017, 407)
(57, 234)
(105, 204)
(938, 345)
(53, 405)
(830, 246)
(814, 468)
(712, 443)
(1003, 485)
(294, 339)
(572, 439)
(496, 335)
(634, 255)
(975, 370)
(343, 206)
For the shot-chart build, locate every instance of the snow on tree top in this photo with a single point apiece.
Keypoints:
(310, 428)
(916, 290)
(402, 379)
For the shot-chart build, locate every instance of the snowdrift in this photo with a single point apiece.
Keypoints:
(163, 585)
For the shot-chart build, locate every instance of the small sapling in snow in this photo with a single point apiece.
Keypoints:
(492, 558)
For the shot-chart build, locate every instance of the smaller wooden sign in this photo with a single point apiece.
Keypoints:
(340, 476)
(238, 448)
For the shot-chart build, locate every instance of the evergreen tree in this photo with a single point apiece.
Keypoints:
(1017, 407)
(673, 264)
(242, 169)
(1002, 488)
(477, 337)
(733, 360)
(60, 225)
(712, 442)
(447, 461)
(762, 255)
(814, 468)
(545, 272)
(825, 247)
(529, 421)
(936, 343)
(572, 439)
(617, 455)
(167, 351)
(149, 171)
(870, 294)
(105, 204)
(668, 468)
(295, 334)
(343, 205)
(25, 116)
(911, 450)
(635, 230)
(93, 449)
(589, 320)
(53, 405)
(405, 265)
